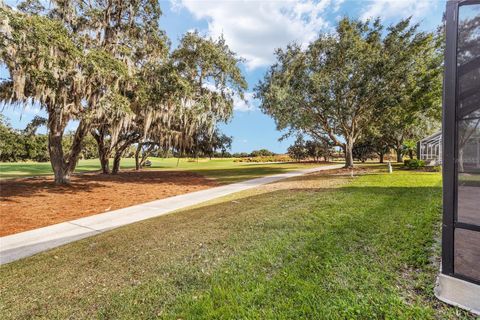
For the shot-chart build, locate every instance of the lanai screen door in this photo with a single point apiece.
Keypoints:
(461, 139)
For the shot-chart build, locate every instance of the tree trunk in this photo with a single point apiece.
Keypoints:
(63, 168)
(398, 149)
(381, 155)
(410, 154)
(103, 151)
(76, 149)
(116, 162)
(120, 151)
(56, 156)
(399, 154)
(348, 153)
(118, 156)
(137, 156)
(104, 161)
(146, 154)
(460, 160)
(55, 149)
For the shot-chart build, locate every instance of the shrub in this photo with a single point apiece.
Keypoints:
(276, 158)
(414, 163)
(240, 155)
(261, 153)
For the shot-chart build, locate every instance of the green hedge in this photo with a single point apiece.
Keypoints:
(414, 163)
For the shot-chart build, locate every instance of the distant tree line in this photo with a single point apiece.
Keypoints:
(21, 145)
(28, 145)
(364, 88)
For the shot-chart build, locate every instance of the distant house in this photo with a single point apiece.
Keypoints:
(430, 149)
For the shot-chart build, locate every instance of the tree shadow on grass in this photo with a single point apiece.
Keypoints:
(249, 171)
(26, 187)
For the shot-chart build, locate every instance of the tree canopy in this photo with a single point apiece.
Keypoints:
(342, 85)
(108, 65)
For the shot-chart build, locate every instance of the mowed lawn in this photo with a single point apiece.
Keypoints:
(319, 246)
(223, 170)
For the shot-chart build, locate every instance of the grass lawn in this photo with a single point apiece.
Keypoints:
(318, 246)
(223, 170)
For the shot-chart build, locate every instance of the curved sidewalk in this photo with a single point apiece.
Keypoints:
(24, 244)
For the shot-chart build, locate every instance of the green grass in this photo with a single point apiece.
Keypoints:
(223, 170)
(469, 179)
(330, 247)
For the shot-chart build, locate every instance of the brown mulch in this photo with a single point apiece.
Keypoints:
(31, 203)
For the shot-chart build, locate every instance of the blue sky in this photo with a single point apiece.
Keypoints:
(253, 29)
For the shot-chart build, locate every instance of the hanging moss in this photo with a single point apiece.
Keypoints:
(112, 70)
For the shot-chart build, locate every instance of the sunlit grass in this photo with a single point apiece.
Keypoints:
(332, 247)
(223, 170)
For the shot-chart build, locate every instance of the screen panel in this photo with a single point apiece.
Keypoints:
(467, 233)
(468, 114)
(467, 254)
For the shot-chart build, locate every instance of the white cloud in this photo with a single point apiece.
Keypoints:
(254, 29)
(247, 104)
(337, 4)
(387, 9)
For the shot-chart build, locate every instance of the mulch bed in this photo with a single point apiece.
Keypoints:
(32, 203)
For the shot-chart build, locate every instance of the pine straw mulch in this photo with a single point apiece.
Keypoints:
(31, 203)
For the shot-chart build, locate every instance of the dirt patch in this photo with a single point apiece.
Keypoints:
(31, 203)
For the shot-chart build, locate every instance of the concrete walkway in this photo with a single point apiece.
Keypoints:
(24, 244)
